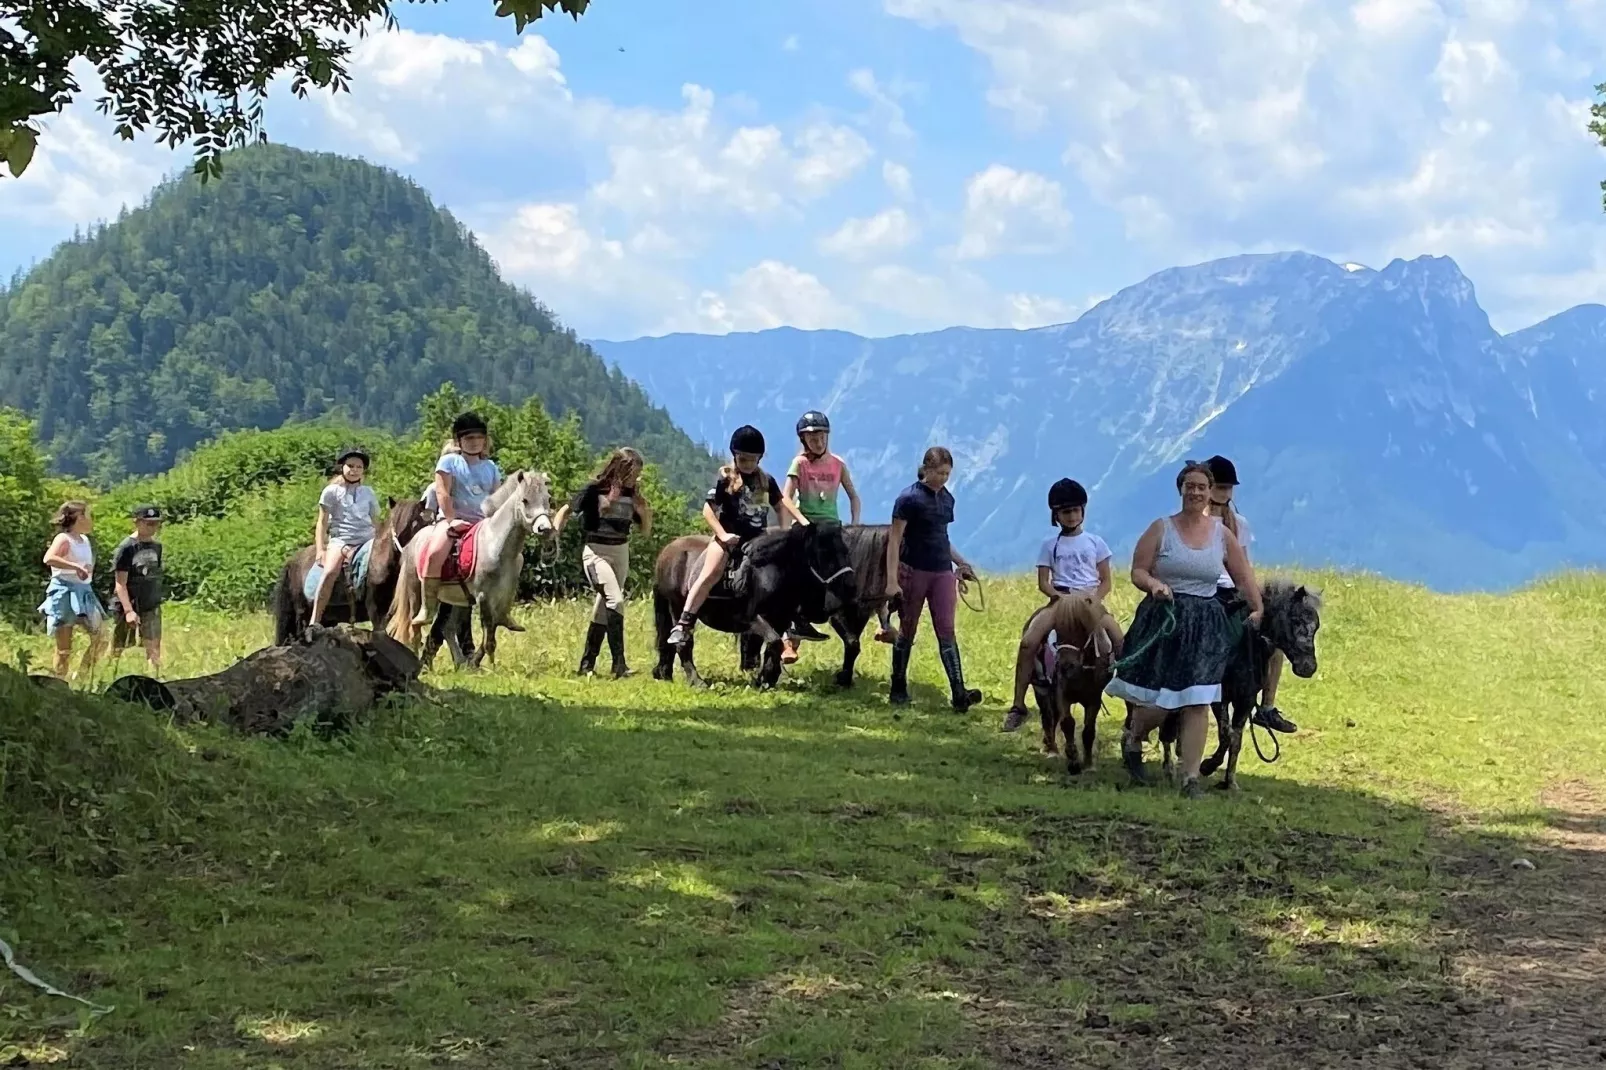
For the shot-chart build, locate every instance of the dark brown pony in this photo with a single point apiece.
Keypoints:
(1083, 665)
(290, 606)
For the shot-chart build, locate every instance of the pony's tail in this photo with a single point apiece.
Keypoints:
(286, 613)
(404, 603)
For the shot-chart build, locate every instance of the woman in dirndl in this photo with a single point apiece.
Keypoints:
(1181, 637)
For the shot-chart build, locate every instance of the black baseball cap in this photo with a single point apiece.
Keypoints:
(147, 512)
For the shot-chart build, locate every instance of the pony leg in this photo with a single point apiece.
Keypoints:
(688, 663)
(663, 620)
(488, 624)
(1240, 718)
(1090, 728)
(1046, 713)
(1073, 761)
(850, 647)
(1223, 731)
(770, 673)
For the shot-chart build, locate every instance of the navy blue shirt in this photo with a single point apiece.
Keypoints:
(926, 515)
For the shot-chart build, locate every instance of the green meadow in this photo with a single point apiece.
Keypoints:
(527, 869)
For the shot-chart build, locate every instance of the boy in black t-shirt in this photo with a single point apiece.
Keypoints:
(137, 565)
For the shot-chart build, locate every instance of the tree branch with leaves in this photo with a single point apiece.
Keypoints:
(197, 71)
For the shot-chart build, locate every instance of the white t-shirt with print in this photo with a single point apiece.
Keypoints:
(1245, 536)
(1073, 560)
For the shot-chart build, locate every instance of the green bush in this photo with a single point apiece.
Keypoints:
(238, 506)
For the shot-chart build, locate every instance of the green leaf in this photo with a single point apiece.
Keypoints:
(19, 149)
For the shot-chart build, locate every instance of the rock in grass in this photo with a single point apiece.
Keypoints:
(1521, 863)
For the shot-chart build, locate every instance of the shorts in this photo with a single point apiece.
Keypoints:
(148, 630)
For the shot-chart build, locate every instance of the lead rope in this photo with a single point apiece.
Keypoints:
(49, 989)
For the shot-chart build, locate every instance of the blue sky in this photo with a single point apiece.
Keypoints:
(897, 165)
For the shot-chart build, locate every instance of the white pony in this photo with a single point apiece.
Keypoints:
(519, 508)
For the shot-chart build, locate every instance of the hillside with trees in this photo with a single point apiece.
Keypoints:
(299, 285)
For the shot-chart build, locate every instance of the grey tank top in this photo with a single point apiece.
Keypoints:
(1186, 570)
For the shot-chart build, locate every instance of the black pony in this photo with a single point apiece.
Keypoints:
(784, 570)
(867, 552)
(1291, 620)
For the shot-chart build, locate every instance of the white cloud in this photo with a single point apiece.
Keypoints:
(886, 108)
(924, 301)
(1010, 211)
(768, 294)
(790, 44)
(897, 178)
(884, 232)
(82, 172)
(1364, 128)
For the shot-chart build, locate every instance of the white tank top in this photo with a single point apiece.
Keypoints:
(79, 550)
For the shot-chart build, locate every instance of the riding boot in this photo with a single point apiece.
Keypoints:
(898, 694)
(428, 602)
(681, 632)
(616, 644)
(594, 637)
(963, 697)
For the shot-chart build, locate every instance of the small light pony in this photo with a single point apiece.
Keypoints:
(519, 508)
(1077, 672)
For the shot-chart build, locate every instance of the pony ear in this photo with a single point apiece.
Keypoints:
(1300, 592)
(390, 502)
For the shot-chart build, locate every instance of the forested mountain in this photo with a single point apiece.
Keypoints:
(299, 284)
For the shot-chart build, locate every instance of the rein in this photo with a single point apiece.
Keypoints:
(838, 574)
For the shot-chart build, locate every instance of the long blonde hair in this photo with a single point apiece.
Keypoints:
(734, 480)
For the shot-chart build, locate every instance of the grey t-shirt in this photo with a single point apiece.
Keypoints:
(353, 512)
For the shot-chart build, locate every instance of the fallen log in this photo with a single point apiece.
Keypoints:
(329, 677)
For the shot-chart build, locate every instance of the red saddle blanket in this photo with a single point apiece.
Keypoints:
(458, 564)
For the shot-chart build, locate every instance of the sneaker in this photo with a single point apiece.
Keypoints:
(788, 650)
(1014, 718)
(1271, 717)
(677, 635)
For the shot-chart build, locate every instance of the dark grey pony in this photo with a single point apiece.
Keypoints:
(867, 552)
(1290, 623)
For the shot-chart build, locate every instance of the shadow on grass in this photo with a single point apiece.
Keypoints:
(502, 881)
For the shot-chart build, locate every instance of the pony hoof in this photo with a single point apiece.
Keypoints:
(661, 673)
(1230, 786)
(844, 680)
(1209, 766)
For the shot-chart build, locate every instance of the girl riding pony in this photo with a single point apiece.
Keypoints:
(736, 511)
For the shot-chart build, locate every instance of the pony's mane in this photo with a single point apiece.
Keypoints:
(774, 542)
(867, 552)
(1075, 618)
(1278, 595)
(496, 498)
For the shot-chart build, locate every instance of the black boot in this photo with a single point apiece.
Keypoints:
(616, 644)
(898, 694)
(804, 630)
(594, 637)
(963, 697)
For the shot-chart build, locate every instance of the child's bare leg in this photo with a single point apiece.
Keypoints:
(63, 651)
(1112, 628)
(1033, 636)
(333, 559)
(97, 642)
(713, 566)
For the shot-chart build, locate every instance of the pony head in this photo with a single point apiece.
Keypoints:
(1080, 643)
(532, 495)
(830, 561)
(1291, 621)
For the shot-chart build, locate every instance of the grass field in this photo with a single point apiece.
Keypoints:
(540, 870)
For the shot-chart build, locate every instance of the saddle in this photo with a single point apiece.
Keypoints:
(356, 573)
(732, 584)
(447, 552)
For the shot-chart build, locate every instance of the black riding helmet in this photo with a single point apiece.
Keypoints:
(1066, 494)
(353, 451)
(1222, 471)
(468, 423)
(813, 420)
(747, 439)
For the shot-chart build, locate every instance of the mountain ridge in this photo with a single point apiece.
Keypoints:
(1390, 384)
